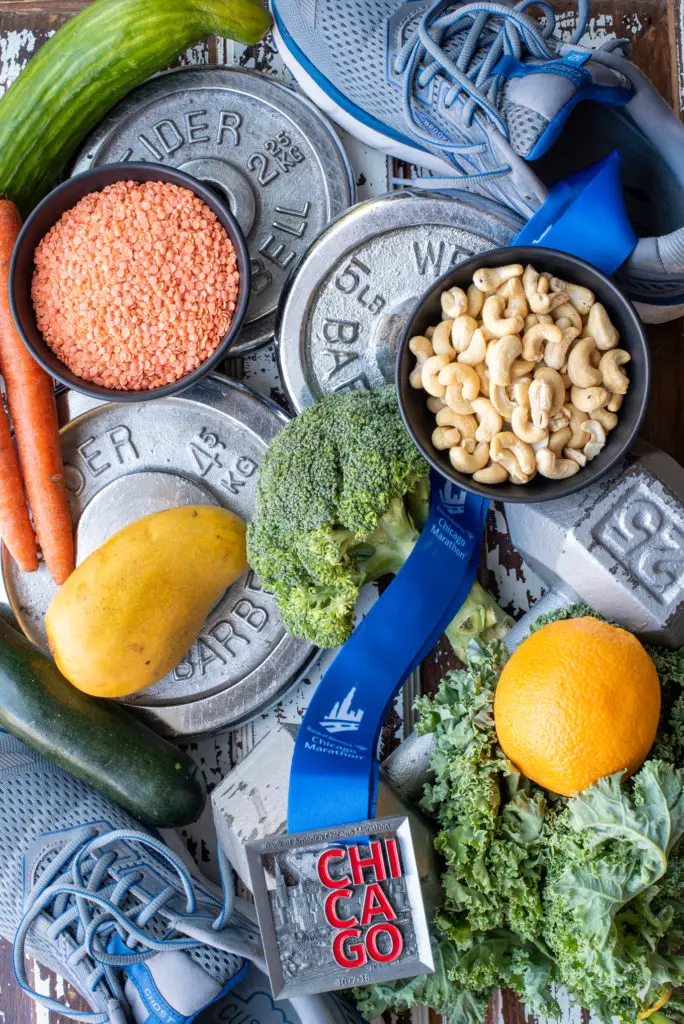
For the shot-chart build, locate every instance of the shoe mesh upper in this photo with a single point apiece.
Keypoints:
(39, 799)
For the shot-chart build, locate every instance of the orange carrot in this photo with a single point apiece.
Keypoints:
(15, 525)
(31, 400)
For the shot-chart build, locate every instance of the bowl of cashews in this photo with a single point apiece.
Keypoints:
(523, 374)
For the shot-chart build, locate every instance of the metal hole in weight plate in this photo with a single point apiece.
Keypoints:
(229, 184)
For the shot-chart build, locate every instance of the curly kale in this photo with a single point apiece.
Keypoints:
(341, 496)
(539, 890)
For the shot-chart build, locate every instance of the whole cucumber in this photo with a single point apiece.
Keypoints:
(89, 65)
(95, 740)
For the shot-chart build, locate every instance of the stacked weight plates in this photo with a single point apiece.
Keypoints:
(261, 146)
(123, 462)
(346, 302)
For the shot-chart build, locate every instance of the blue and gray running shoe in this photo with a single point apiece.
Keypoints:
(485, 97)
(107, 906)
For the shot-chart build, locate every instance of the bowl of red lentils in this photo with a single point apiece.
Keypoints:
(130, 282)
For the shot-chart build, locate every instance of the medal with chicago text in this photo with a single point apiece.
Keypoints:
(340, 907)
(338, 898)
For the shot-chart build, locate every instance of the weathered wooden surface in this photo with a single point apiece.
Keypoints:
(656, 28)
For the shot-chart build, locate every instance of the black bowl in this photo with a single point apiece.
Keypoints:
(420, 422)
(48, 212)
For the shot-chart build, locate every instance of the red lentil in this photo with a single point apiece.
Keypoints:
(135, 286)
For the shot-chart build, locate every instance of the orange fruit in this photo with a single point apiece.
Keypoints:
(578, 700)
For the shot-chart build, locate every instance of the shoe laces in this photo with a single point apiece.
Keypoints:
(83, 900)
(489, 30)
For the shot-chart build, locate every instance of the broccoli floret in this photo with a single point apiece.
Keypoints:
(331, 514)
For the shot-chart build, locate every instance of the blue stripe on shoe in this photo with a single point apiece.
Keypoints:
(338, 97)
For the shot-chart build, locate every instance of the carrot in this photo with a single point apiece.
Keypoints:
(31, 400)
(15, 525)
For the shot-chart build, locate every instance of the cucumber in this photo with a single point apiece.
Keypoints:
(89, 65)
(95, 740)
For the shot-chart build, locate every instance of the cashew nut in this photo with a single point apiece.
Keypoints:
(476, 351)
(553, 468)
(422, 350)
(589, 399)
(608, 420)
(514, 455)
(469, 444)
(475, 301)
(490, 422)
(441, 339)
(462, 385)
(580, 370)
(429, 331)
(466, 425)
(494, 320)
(558, 421)
(598, 439)
(435, 404)
(454, 303)
(521, 368)
(514, 293)
(601, 327)
(524, 428)
(462, 330)
(559, 439)
(567, 311)
(488, 279)
(581, 298)
(520, 391)
(501, 355)
(576, 421)
(492, 474)
(483, 374)
(576, 456)
(534, 339)
(613, 377)
(555, 352)
(615, 403)
(501, 401)
(537, 292)
(445, 437)
(429, 377)
(546, 396)
(467, 462)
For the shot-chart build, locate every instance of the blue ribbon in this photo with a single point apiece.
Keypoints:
(334, 776)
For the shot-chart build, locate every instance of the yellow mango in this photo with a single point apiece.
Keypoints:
(132, 610)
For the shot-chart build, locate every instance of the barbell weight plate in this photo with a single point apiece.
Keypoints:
(126, 461)
(345, 303)
(261, 146)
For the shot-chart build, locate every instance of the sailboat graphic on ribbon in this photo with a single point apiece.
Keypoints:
(341, 718)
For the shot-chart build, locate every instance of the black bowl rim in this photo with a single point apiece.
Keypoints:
(579, 481)
(128, 172)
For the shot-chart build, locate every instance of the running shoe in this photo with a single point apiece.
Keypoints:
(483, 96)
(108, 907)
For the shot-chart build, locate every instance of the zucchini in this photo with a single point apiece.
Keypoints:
(89, 65)
(95, 740)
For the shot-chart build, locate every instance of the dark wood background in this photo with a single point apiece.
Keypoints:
(655, 28)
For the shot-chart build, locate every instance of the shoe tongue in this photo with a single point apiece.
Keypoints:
(171, 987)
(539, 97)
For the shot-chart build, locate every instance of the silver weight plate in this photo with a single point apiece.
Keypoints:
(126, 461)
(346, 302)
(265, 148)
